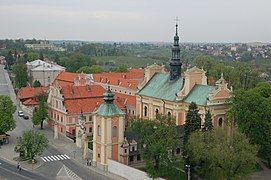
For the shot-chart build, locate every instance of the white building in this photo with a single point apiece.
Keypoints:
(43, 71)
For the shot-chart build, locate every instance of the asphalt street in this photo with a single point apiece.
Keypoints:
(49, 170)
(10, 171)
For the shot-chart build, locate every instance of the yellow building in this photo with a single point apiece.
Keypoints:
(171, 94)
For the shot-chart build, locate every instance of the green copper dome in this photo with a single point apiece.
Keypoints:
(108, 108)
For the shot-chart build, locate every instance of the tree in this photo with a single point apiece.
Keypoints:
(75, 61)
(33, 143)
(90, 69)
(208, 124)
(9, 59)
(41, 57)
(122, 68)
(251, 110)
(40, 114)
(157, 138)
(7, 122)
(21, 76)
(37, 83)
(192, 122)
(216, 155)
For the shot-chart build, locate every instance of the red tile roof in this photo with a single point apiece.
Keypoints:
(113, 80)
(89, 98)
(30, 102)
(81, 92)
(31, 92)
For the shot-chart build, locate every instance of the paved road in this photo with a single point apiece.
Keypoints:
(9, 171)
(49, 170)
(3, 82)
(52, 168)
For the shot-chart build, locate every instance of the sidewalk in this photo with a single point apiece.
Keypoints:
(67, 146)
(63, 144)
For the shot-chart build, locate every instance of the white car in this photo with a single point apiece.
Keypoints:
(20, 113)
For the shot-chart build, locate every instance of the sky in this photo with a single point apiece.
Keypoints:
(137, 20)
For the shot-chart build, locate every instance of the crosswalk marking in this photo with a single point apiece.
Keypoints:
(53, 158)
(58, 157)
(49, 158)
(63, 156)
(46, 159)
(67, 156)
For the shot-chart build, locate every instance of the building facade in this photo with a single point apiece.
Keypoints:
(171, 94)
(43, 72)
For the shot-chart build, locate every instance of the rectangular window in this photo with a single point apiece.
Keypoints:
(90, 129)
(125, 150)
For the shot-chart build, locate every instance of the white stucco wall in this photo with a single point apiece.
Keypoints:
(127, 171)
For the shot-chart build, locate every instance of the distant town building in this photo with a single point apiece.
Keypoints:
(43, 72)
(44, 45)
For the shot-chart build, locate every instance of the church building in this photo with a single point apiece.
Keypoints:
(171, 94)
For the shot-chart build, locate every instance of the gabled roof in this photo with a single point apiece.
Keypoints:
(199, 94)
(30, 102)
(67, 77)
(31, 92)
(161, 87)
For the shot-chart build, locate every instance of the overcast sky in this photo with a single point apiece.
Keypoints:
(137, 20)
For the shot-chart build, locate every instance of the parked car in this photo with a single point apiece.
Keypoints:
(26, 117)
(20, 113)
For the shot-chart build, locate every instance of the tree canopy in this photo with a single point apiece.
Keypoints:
(21, 76)
(76, 61)
(95, 69)
(216, 155)
(208, 123)
(156, 138)
(33, 143)
(192, 121)
(7, 109)
(251, 110)
(40, 114)
(37, 83)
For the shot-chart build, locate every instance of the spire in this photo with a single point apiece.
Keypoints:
(108, 96)
(175, 62)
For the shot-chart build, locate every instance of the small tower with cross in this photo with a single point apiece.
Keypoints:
(108, 134)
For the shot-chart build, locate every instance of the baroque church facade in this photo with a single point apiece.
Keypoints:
(171, 94)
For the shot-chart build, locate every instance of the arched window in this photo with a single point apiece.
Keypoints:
(114, 131)
(156, 112)
(145, 111)
(220, 122)
(99, 130)
(169, 114)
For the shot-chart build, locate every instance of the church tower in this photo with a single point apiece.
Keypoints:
(108, 132)
(175, 62)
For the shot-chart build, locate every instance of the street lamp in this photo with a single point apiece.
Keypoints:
(188, 171)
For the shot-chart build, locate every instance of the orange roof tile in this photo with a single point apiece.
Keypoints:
(112, 80)
(31, 92)
(81, 92)
(29, 102)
